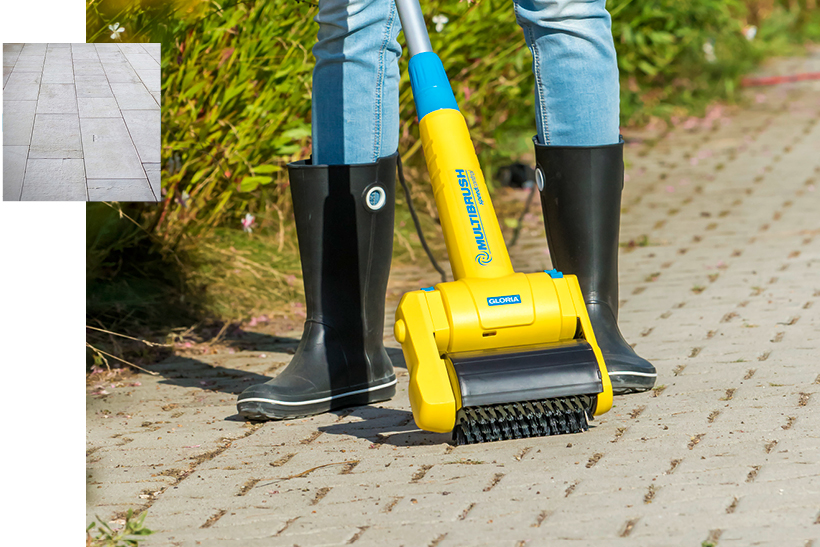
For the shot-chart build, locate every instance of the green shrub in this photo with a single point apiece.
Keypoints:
(237, 83)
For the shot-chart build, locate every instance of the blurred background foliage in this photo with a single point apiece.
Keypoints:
(236, 109)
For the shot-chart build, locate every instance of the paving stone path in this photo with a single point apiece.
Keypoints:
(81, 122)
(720, 288)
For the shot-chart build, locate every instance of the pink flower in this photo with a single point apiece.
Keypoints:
(247, 222)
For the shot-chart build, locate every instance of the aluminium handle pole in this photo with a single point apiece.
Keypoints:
(415, 29)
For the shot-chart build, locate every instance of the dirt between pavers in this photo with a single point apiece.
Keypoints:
(718, 288)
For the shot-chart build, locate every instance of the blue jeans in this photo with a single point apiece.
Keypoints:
(356, 79)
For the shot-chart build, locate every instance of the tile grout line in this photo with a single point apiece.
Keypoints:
(36, 106)
(12, 66)
(79, 123)
(96, 51)
(142, 163)
(123, 118)
(79, 127)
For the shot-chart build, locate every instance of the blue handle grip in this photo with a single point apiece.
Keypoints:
(431, 88)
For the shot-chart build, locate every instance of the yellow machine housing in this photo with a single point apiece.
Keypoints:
(489, 306)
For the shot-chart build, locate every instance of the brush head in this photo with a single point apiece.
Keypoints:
(519, 420)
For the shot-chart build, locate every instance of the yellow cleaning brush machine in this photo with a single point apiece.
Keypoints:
(494, 354)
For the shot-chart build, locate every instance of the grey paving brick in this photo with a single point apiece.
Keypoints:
(57, 57)
(108, 150)
(98, 108)
(89, 71)
(133, 97)
(121, 73)
(151, 78)
(725, 453)
(20, 92)
(94, 89)
(14, 168)
(110, 53)
(18, 121)
(131, 48)
(153, 170)
(88, 54)
(145, 129)
(154, 50)
(29, 64)
(9, 57)
(34, 49)
(120, 190)
(142, 60)
(58, 77)
(54, 180)
(56, 136)
(57, 99)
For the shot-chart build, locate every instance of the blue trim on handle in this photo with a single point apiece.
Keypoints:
(555, 274)
(431, 88)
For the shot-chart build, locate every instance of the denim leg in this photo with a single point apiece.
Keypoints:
(576, 72)
(356, 82)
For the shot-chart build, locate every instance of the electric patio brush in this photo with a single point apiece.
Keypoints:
(494, 354)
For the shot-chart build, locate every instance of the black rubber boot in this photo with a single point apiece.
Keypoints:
(581, 198)
(344, 223)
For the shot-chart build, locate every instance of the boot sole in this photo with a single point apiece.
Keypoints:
(262, 409)
(626, 382)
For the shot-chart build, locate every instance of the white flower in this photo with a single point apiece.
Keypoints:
(440, 20)
(709, 51)
(247, 222)
(116, 30)
(750, 32)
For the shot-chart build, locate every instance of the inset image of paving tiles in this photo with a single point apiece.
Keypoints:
(81, 122)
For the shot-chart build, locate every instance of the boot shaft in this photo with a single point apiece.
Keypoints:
(344, 224)
(580, 191)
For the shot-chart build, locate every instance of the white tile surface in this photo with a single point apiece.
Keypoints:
(14, 167)
(144, 127)
(26, 78)
(98, 108)
(120, 190)
(57, 99)
(155, 178)
(18, 121)
(142, 60)
(121, 73)
(38, 184)
(58, 77)
(56, 136)
(29, 64)
(20, 92)
(93, 89)
(152, 78)
(108, 149)
(65, 132)
(133, 97)
(154, 50)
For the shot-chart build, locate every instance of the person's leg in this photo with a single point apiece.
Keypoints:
(576, 72)
(356, 82)
(343, 201)
(579, 158)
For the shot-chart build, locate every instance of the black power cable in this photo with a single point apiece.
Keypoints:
(520, 224)
(418, 224)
